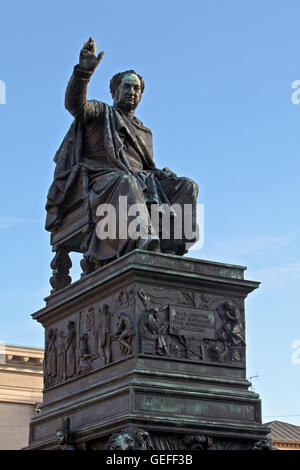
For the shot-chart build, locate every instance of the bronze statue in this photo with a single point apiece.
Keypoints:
(104, 333)
(51, 356)
(157, 329)
(70, 351)
(61, 357)
(124, 333)
(110, 150)
(64, 436)
(129, 438)
(84, 355)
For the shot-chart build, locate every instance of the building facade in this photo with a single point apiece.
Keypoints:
(21, 384)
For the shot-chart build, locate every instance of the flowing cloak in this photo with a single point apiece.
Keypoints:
(69, 162)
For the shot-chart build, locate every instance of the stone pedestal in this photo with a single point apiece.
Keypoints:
(154, 341)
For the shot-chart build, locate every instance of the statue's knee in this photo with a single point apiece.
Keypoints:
(127, 179)
(194, 187)
(190, 187)
(130, 187)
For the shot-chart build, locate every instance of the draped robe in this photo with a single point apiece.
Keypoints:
(117, 155)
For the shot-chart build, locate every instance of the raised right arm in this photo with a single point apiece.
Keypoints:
(75, 98)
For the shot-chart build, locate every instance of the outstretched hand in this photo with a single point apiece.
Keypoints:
(88, 59)
(169, 173)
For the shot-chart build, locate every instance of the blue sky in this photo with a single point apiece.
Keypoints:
(218, 100)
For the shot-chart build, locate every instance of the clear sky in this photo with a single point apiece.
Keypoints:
(218, 99)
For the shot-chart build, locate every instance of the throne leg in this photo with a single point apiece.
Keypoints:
(61, 265)
(86, 264)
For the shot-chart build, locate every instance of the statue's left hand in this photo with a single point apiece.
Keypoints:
(169, 173)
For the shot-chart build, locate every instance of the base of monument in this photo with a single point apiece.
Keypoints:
(155, 342)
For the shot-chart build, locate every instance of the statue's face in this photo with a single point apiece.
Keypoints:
(123, 442)
(129, 92)
(60, 437)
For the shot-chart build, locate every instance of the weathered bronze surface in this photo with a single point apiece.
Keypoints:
(107, 153)
(147, 350)
(130, 438)
(63, 435)
(118, 357)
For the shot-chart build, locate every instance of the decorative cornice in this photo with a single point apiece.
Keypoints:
(21, 357)
(287, 445)
(21, 395)
(21, 374)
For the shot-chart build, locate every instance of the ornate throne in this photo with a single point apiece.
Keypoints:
(73, 233)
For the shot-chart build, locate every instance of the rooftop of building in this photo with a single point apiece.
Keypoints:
(283, 432)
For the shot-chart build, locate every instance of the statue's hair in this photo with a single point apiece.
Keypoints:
(116, 80)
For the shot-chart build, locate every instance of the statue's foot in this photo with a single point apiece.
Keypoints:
(150, 244)
(181, 250)
(89, 266)
(175, 248)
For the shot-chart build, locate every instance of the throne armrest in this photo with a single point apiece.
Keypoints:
(77, 218)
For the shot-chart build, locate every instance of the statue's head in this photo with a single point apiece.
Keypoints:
(127, 89)
(129, 438)
(60, 437)
(155, 312)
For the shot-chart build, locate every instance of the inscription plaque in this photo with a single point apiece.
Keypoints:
(148, 346)
(192, 322)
